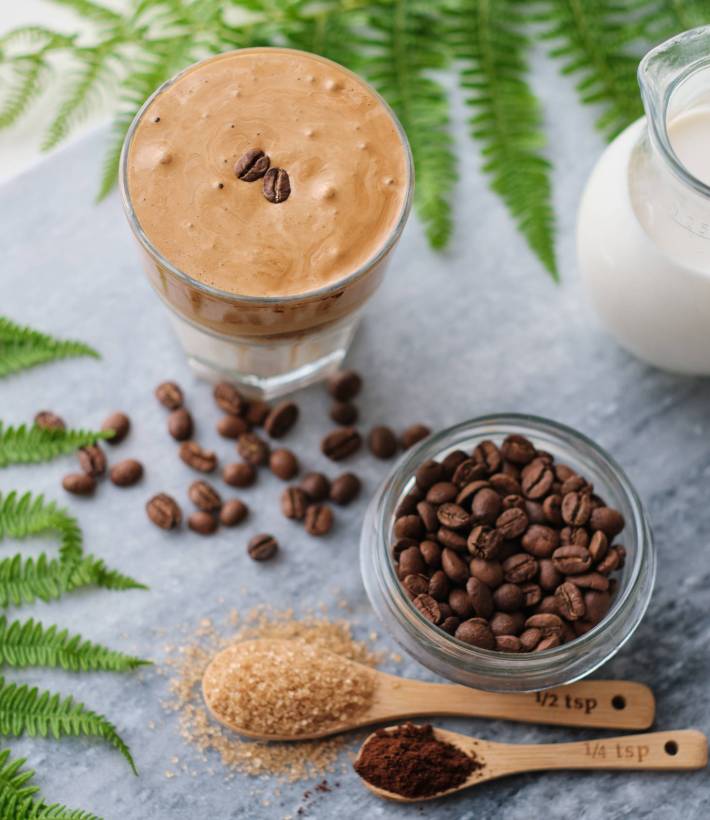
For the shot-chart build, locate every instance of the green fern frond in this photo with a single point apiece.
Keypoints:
(22, 347)
(18, 808)
(91, 10)
(29, 445)
(487, 37)
(96, 572)
(29, 643)
(404, 48)
(668, 17)
(23, 90)
(25, 710)
(594, 42)
(14, 780)
(28, 515)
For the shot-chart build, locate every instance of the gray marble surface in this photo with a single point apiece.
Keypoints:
(476, 329)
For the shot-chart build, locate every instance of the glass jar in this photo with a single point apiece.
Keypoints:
(493, 670)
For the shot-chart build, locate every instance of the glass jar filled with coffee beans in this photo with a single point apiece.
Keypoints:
(508, 553)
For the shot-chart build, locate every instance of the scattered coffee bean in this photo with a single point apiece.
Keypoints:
(126, 473)
(50, 421)
(262, 547)
(253, 449)
(341, 443)
(92, 460)
(202, 522)
(204, 496)
(316, 486)
(233, 512)
(344, 413)
(229, 399)
(180, 425)
(277, 186)
(294, 503)
(281, 419)
(119, 423)
(319, 519)
(283, 464)
(196, 457)
(414, 434)
(344, 385)
(252, 165)
(382, 442)
(257, 412)
(164, 511)
(232, 426)
(345, 488)
(79, 483)
(169, 395)
(239, 474)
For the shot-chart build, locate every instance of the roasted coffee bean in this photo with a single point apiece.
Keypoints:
(345, 488)
(126, 473)
(51, 421)
(439, 586)
(548, 642)
(180, 424)
(563, 472)
(164, 511)
(341, 443)
(513, 502)
(506, 623)
(416, 585)
(277, 185)
(382, 442)
(536, 479)
(451, 539)
(608, 520)
(548, 604)
(469, 491)
(196, 457)
(591, 580)
(518, 449)
(596, 605)
(454, 566)
(512, 523)
(484, 542)
(233, 512)
(414, 434)
(229, 399)
(574, 535)
(450, 624)
(294, 503)
(240, 474)
(428, 607)
(427, 513)
(532, 593)
(508, 597)
(552, 509)
(520, 568)
(511, 469)
(283, 464)
(570, 603)
(232, 426)
(281, 419)
(252, 165)
(534, 512)
(505, 485)
(119, 423)
(344, 413)
(469, 471)
(451, 462)
(79, 483)
(428, 474)
(576, 509)
(610, 563)
(316, 486)
(530, 638)
(262, 547)
(442, 492)
(411, 562)
(319, 519)
(487, 454)
(476, 632)
(409, 526)
(508, 643)
(402, 544)
(480, 597)
(546, 622)
(548, 576)
(571, 559)
(408, 503)
(432, 553)
(344, 385)
(489, 572)
(486, 506)
(598, 546)
(202, 522)
(460, 603)
(92, 460)
(169, 395)
(540, 541)
(257, 412)
(253, 449)
(453, 516)
(204, 496)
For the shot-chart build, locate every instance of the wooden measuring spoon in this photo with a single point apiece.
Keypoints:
(683, 749)
(592, 703)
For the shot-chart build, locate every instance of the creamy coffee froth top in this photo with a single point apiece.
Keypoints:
(338, 142)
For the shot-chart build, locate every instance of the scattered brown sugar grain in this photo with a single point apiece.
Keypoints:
(277, 687)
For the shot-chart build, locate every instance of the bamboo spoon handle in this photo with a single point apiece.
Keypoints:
(659, 751)
(606, 704)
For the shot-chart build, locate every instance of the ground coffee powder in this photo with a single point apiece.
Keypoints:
(409, 760)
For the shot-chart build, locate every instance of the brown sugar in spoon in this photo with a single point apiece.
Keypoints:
(679, 750)
(592, 703)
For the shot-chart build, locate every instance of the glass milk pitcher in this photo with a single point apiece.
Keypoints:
(643, 230)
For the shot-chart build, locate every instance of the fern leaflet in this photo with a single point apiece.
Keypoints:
(30, 445)
(14, 781)
(26, 808)
(22, 347)
(22, 517)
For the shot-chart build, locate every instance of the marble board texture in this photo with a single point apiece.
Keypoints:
(478, 328)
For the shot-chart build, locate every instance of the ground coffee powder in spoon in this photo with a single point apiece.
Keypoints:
(409, 760)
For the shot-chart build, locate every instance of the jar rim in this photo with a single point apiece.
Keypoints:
(627, 609)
